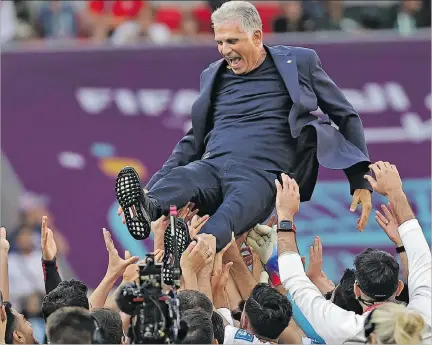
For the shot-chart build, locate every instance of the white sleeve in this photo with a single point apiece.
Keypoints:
(334, 324)
(419, 268)
(226, 313)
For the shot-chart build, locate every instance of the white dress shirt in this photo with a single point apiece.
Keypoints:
(338, 326)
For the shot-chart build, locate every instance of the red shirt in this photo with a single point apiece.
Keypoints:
(118, 8)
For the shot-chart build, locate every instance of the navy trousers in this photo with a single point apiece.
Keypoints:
(234, 193)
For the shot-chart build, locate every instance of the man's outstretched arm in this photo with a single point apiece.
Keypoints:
(332, 102)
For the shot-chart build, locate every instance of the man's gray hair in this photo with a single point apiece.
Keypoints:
(241, 11)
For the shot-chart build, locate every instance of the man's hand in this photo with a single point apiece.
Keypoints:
(48, 244)
(196, 224)
(116, 265)
(220, 272)
(218, 262)
(287, 198)
(363, 197)
(4, 243)
(387, 180)
(389, 224)
(158, 228)
(315, 260)
(131, 273)
(262, 240)
(159, 255)
(187, 212)
(196, 256)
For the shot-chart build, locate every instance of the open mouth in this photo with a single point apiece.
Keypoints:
(234, 62)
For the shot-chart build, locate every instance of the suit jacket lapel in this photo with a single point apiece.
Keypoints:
(286, 64)
(201, 105)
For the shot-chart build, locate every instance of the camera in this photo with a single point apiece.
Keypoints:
(155, 317)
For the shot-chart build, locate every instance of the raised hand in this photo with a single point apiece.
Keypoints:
(262, 240)
(287, 198)
(4, 243)
(187, 212)
(314, 270)
(196, 256)
(196, 224)
(48, 244)
(364, 198)
(131, 273)
(159, 254)
(387, 179)
(116, 265)
(158, 228)
(218, 264)
(388, 223)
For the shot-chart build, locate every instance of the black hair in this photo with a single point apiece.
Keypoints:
(69, 293)
(70, 325)
(190, 299)
(11, 324)
(344, 294)
(268, 311)
(110, 323)
(218, 327)
(376, 274)
(199, 327)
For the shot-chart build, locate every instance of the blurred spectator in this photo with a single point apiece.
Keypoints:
(32, 208)
(189, 25)
(57, 19)
(407, 16)
(32, 312)
(120, 19)
(24, 28)
(294, 19)
(25, 270)
(8, 21)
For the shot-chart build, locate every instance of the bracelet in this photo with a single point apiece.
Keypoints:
(400, 249)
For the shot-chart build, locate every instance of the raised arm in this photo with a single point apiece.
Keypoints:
(388, 183)
(332, 102)
(333, 324)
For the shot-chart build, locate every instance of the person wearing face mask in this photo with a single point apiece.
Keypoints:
(251, 123)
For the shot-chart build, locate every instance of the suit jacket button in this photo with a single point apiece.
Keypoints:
(206, 155)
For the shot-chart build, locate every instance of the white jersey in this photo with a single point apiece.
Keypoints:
(235, 335)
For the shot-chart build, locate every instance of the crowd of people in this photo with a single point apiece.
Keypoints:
(122, 22)
(238, 295)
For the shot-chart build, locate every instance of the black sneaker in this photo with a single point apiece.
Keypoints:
(134, 202)
(174, 248)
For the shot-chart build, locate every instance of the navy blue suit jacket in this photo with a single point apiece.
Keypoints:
(317, 141)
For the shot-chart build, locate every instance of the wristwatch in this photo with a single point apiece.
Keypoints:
(286, 226)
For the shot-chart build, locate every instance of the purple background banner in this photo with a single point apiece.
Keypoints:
(72, 120)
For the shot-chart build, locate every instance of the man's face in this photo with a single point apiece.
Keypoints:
(24, 327)
(239, 48)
